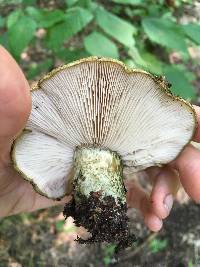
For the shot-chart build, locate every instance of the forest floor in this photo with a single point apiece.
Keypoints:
(44, 239)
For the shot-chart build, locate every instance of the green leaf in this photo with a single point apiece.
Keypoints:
(180, 80)
(36, 69)
(116, 27)
(130, 63)
(146, 60)
(33, 12)
(107, 260)
(45, 18)
(10, 2)
(129, 2)
(153, 64)
(157, 245)
(110, 249)
(75, 20)
(56, 36)
(60, 225)
(165, 33)
(71, 54)
(2, 21)
(193, 32)
(4, 39)
(71, 2)
(190, 264)
(99, 45)
(13, 17)
(20, 35)
(29, 2)
(85, 3)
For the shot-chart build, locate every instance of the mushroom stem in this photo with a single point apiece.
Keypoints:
(99, 171)
(99, 202)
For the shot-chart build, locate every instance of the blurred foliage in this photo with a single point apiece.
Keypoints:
(141, 33)
(109, 254)
(190, 264)
(156, 245)
(60, 227)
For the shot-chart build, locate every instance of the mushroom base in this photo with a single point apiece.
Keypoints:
(105, 219)
(99, 197)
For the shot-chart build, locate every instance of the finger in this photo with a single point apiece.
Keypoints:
(166, 185)
(188, 166)
(137, 198)
(135, 195)
(197, 132)
(153, 222)
(15, 101)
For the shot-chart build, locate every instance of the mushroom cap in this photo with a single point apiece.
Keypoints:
(99, 102)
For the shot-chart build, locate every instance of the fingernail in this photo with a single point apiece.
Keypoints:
(154, 223)
(168, 202)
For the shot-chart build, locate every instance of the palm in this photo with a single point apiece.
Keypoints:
(13, 191)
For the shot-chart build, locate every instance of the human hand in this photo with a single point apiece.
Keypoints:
(17, 195)
(185, 171)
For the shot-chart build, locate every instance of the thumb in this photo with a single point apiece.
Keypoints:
(15, 100)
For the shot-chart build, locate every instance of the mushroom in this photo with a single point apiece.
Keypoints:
(92, 121)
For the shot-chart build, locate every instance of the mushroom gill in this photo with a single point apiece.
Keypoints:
(92, 120)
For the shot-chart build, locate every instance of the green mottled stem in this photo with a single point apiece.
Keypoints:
(99, 197)
(98, 170)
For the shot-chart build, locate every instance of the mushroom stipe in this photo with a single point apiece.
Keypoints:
(99, 197)
(94, 122)
(103, 218)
